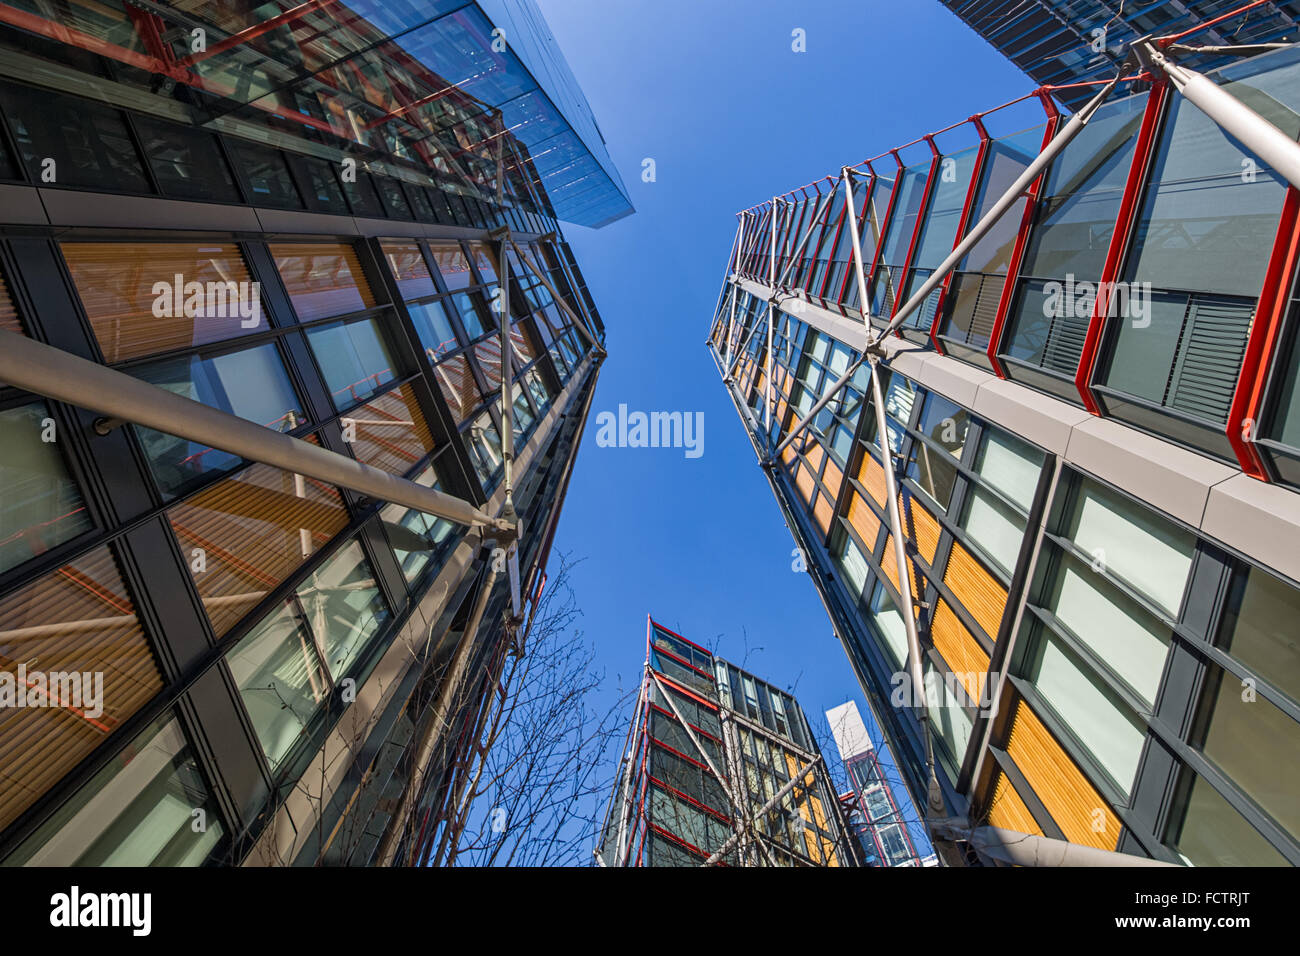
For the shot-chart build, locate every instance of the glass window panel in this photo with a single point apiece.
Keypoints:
(889, 622)
(1117, 631)
(42, 506)
(354, 359)
(1259, 628)
(1256, 744)
(137, 811)
(89, 142)
(322, 186)
(903, 221)
(342, 605)
(453, 266)
(143, 298)
(362, 196)
(406, 260)
(1211, 832)
(187, 163)
(1006, 160)
(1010, 465)
(484, 443)
(78, 620)
(995, 527)
(1209, 218)
(1081, 196)
(322, 279)
(939, 231)
(1134, 543)
(470, 316)
(245, 534)
(433, 327)
(854, 566)
(252, 384)
(1104, 725)
(415, 536)
(278, 671)
(944, 422)
(267, 175)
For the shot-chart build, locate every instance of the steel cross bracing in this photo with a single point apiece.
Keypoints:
(1154, 58)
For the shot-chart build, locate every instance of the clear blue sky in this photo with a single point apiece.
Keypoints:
(712, 91)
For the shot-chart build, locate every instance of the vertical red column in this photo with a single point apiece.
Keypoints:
(922, 213)
(963, 225)
(884, 226)
(1261, 344)
(1022, 240)
(1138, 172)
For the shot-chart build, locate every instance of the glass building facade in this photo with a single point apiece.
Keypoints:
(1063, 42)
(1099, 493)
(271, 646)
(719, 767)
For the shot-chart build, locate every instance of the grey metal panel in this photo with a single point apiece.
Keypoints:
(69, 207)
(235, 755)
(1258, 519)
(295, 222)
(1045, 421)
(22, 205)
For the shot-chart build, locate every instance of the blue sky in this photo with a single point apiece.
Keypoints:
(731, 115)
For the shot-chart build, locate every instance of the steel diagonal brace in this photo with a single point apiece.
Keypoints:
(53, 373)
(935, 796)
(1026, 179)
(1257, 134)
(794, 781)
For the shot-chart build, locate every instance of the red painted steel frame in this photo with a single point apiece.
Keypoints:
(1120, 240)
(884, 228)
(963, 225)
(1265, 331)
(922, 213)
(1022, 241)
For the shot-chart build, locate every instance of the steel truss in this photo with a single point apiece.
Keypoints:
(1149, 58)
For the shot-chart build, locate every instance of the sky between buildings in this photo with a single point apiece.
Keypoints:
(714, 94)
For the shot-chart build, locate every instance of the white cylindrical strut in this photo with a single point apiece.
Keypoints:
(915, 670)
(1280, 151)
(1026, 179)
(849, 201)
(64, 377)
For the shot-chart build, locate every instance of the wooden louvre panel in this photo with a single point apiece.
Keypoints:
(243, 536)
(322, 279)
(979, 591)
(406, 260)
(1076, 806)
(391, 433)
(130, 293)
(488, 353)
(890, 566)
(456, 380)
(959, 649)
(524, 351)
(803, 481)
(1008, 811)
(921, 526)
(453, 265)
(823, 511)
(832, 478)
(863, 519)
(815, 454)
(788, 453)
(8, 314)
(872, 477)
(78, 619)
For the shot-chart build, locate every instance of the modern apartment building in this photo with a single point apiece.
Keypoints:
(1066, 42)
(1092, 424)
(719, 768)
(872, 808)
(296, 363)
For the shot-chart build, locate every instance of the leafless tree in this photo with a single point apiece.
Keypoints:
(540, 786)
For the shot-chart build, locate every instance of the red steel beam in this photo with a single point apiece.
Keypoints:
(1120, 240)
(1022, 241)
(1265, 331)
(255, 31)
(922, 213)
(977, 173)
(885, 225)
